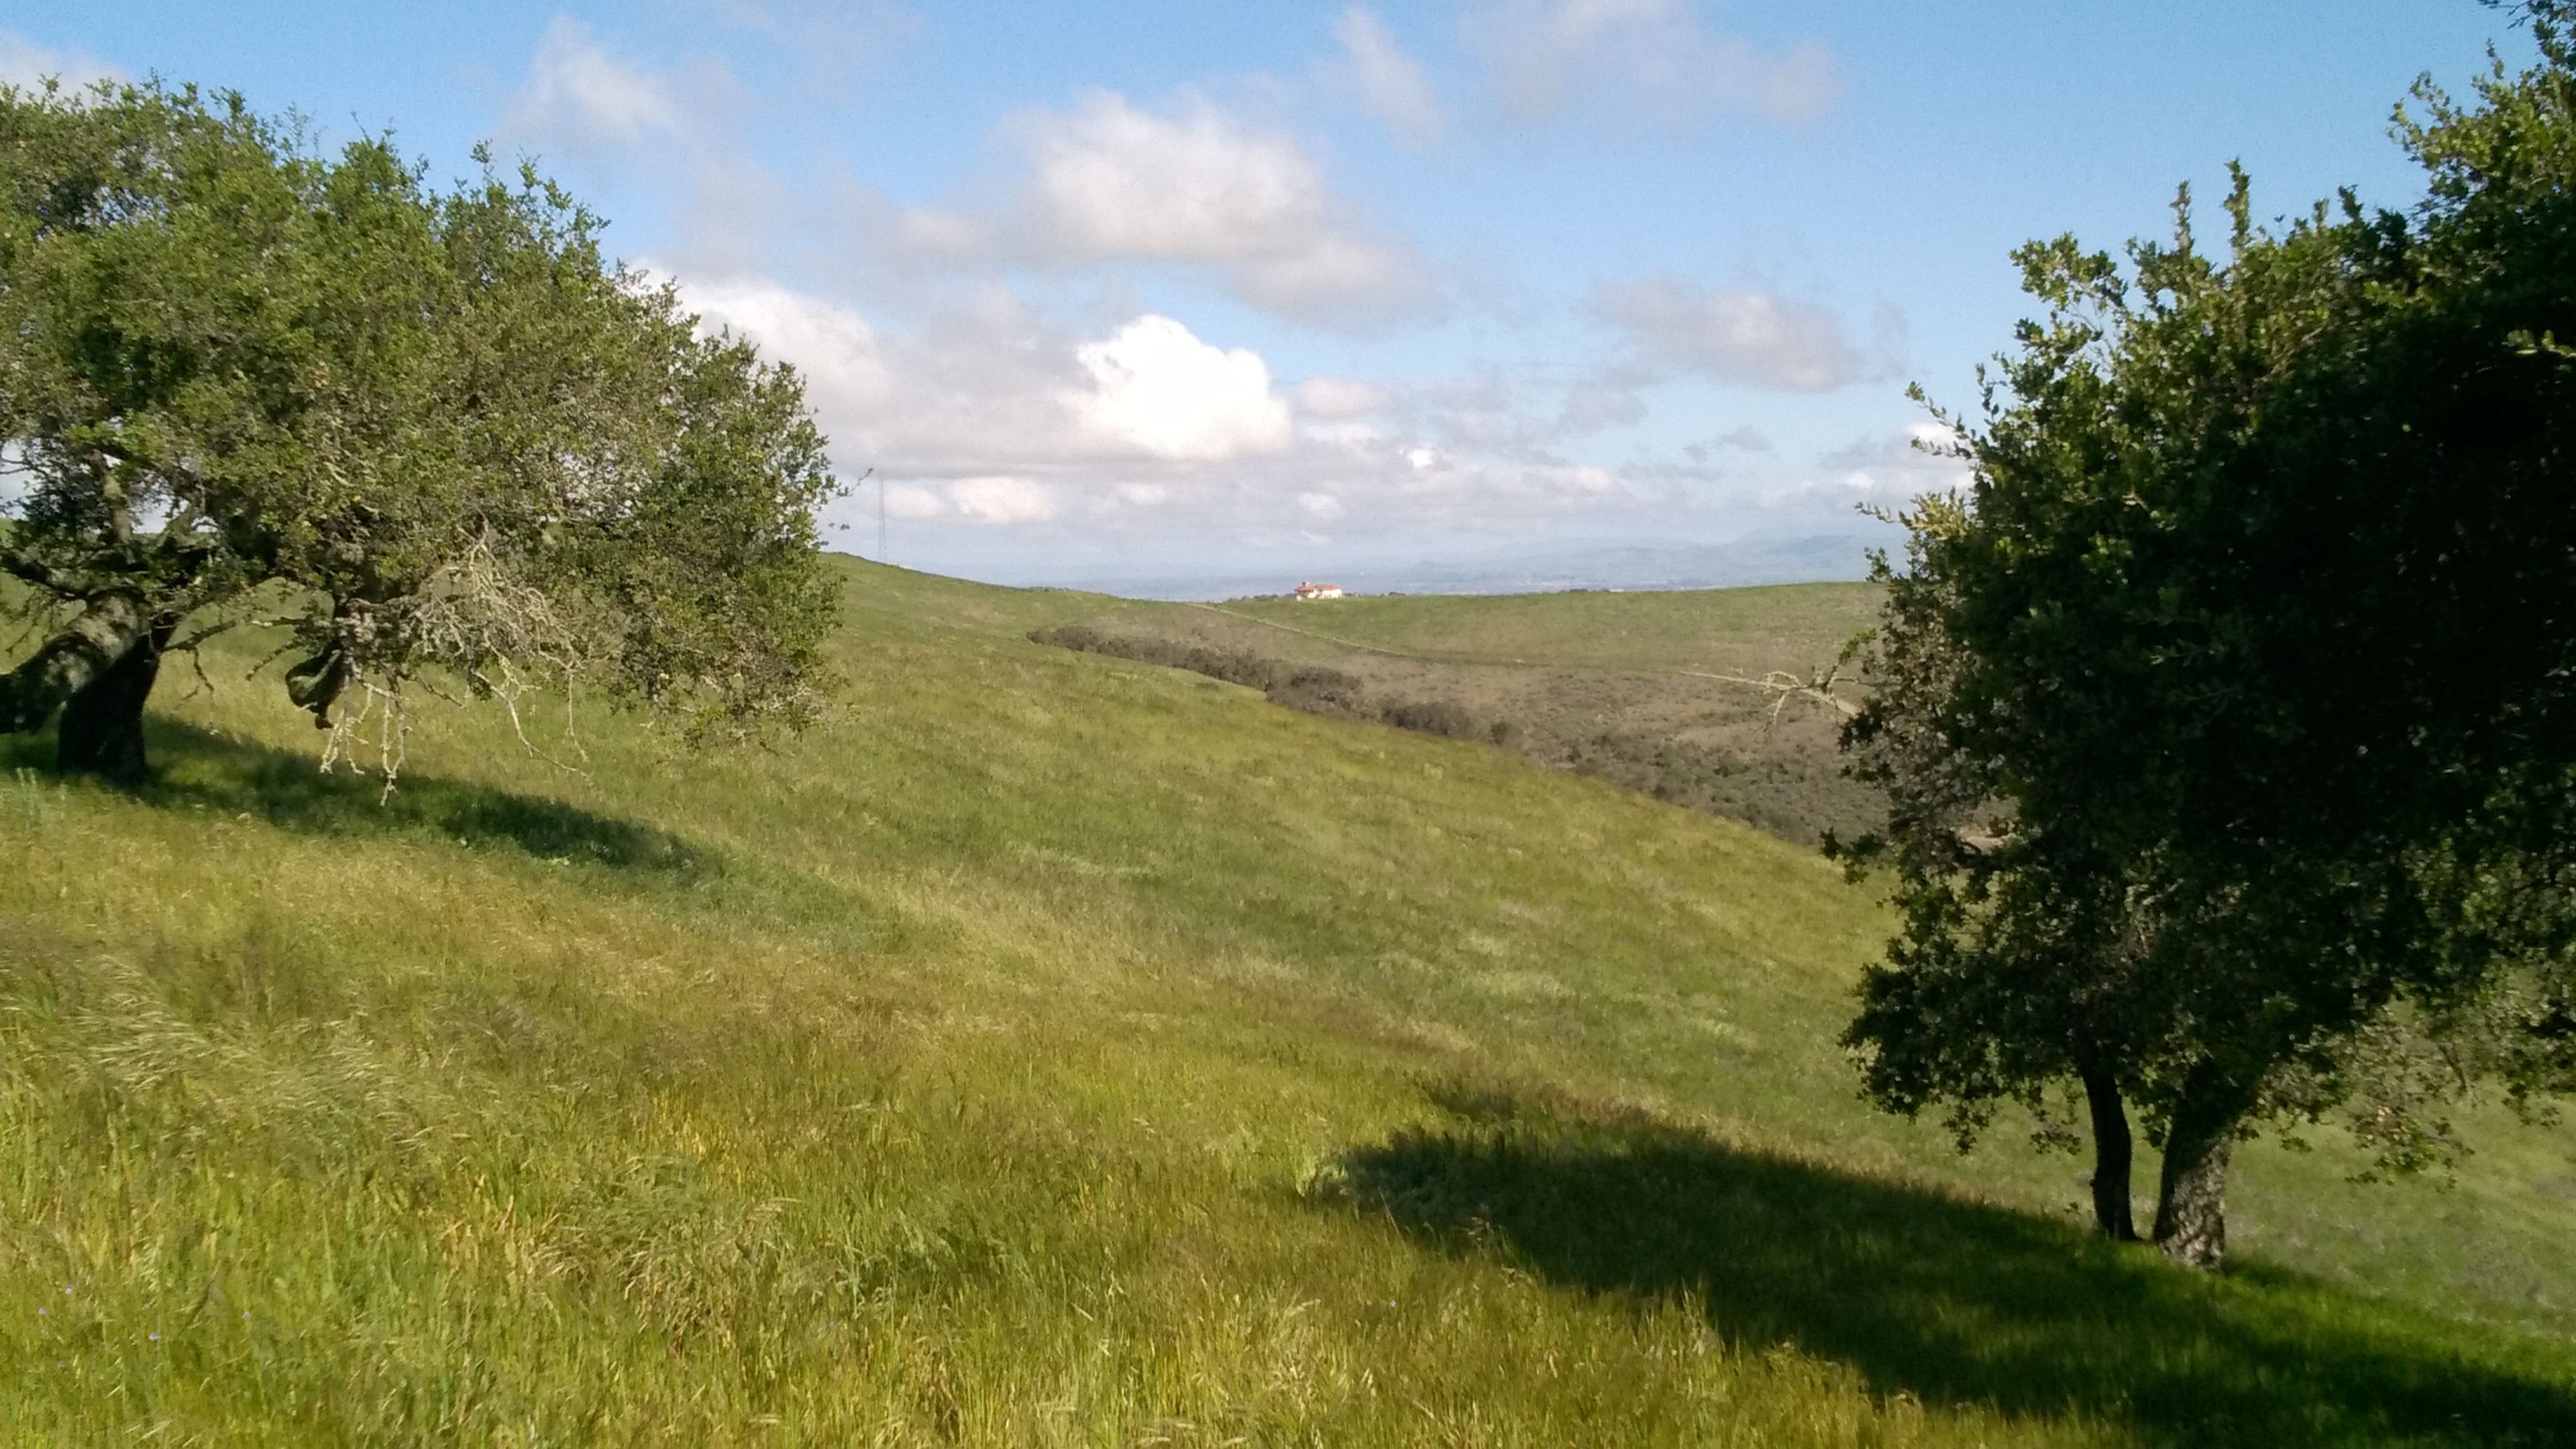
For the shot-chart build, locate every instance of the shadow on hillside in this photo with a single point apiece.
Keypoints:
(1956, 1303)
(199, 769)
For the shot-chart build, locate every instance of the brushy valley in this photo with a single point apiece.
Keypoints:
(1057, 1048)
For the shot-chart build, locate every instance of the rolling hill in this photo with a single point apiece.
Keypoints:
(1056, 1048)
(1664, 693)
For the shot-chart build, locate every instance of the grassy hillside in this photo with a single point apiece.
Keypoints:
(1790, 626)
(1658, 692)
(1060, 1049)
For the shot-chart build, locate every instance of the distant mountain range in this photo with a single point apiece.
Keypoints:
(1766, 558)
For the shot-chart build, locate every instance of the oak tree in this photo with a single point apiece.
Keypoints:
(434, 435)
(2257, 653)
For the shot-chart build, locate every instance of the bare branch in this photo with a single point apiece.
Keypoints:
(1783, 686)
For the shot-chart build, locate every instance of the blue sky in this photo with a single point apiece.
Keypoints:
(1168, 291)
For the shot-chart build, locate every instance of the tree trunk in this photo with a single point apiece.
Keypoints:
(102, 725)
(2191, 1201)
(106, 630)
(2112, 1155)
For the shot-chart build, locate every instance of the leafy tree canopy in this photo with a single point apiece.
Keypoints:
(436, 434)
(2227, 715)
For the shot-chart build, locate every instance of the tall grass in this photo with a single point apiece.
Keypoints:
(1063, 1050)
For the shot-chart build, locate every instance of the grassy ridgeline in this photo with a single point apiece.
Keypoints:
(1063, 1049)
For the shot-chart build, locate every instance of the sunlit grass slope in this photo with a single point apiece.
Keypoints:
(1057, 1049)
(1661, 692)
(1788, 626)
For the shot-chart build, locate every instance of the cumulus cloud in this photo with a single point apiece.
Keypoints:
(977, 386)
(969, 356)
(833, 346)
(23, 62)
(1737, 334)
(991, 427)
(1655, 58)
(1109, 182)
(579, 96)
(997, 499)
(1160, 389)
(1387, 81)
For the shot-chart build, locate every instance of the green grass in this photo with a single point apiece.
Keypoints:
(1654, 691)
(1057, 1049)
(1787, 626)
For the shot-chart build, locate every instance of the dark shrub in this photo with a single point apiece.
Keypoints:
(1071, 636)
(1432, 717)
(1321, 691)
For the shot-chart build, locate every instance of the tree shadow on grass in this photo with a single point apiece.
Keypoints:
(1958, 1303)
(199, 769)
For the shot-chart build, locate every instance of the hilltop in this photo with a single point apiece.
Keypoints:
(1060, 1048)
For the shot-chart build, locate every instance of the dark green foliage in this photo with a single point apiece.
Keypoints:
(1434, 717)
(446, 431)
(1327, 687)
(2228, 723)
(1319, 690)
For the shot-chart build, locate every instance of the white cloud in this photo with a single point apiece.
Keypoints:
(967, 354)
(1109, 182)
(1002, 500)
(912, 503)
(579, 96)
(994, 429)
(23, 62)
(1163, 391)
(1388, 81)
(1114, 181)
(1344, 434)
(978, 386)
(1892, 467)
(1652, 58)
(833, 346)
(1733, 333)
(1338, 397)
